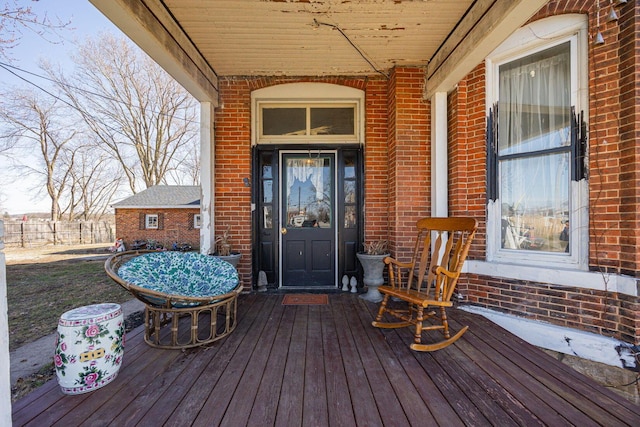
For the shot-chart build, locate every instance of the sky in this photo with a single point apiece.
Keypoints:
(16, 198)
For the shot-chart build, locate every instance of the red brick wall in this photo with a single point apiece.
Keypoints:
(233, 157)
(376, 161)
(614, 183)
(396, 142)
(233, 163)
(467, 154)
(409, 158)
(177, 226)
(606, 313)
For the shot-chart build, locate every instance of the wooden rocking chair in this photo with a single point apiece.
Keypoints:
(429, 279)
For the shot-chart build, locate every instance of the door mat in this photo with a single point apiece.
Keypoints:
(305, 299)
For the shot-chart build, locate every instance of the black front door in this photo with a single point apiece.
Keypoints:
(308, 215)
(308, 219)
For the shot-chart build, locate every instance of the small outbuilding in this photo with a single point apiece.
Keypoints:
(165, 214)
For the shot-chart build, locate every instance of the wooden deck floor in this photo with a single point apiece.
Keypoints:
(327, 366)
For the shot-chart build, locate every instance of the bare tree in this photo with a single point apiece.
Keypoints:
(136, 111)
(15, 18)
(41, 141)
(187, 171)
(95, 181)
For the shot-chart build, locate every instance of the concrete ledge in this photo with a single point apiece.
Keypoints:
(569, 341)
(608, 361)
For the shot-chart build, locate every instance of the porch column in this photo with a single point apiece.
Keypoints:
(207, 177)
(5, 366)
(439, 158)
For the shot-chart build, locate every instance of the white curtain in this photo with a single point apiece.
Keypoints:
(534, 108)
(534, 115)
(306, 169)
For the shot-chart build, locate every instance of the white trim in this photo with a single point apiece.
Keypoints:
(161, 207)
(582, 344)
(439, 156)
(310, 93)
(147, 220)
(207, 178)
(606, 282)
(5, 365)
(540, 35)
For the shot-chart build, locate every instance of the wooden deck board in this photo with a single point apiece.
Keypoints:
(326, 365)
(290, 403)
(339, 403)
(601, 404)
(520, 383)
(406, 380)
(581, 411)
(221, 395)
(265, 405)
(440, 410)
(167, 388)
(239, 408)
(496, 403)
(391, 411)
(192, 404)
(315, 411)
(551, 393)
(359, 389)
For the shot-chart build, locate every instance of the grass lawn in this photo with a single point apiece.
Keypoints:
(38, 293)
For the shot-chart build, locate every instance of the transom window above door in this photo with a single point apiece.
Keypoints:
(307, 122)
(307, 113)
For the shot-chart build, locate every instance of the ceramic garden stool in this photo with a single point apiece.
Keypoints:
(89, 347)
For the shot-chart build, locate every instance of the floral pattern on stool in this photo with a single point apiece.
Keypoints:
(89, 347)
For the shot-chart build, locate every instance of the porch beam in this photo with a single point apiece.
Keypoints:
(150, 26)
(487, 24)
(207, 178)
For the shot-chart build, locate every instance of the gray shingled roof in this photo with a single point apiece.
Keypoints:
(163, 196)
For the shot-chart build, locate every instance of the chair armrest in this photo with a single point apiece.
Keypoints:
(449, 274)
(388, 260)
(396, 268)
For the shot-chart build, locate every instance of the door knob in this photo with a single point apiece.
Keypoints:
(283, 230)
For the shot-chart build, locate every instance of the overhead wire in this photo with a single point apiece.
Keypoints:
(9, 68)
(357, 49)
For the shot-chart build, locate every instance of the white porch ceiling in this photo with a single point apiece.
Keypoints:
(277, 37)
(198, 41)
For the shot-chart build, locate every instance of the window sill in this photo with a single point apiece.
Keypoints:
(556, 276)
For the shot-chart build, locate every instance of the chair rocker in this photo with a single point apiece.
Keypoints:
(427, 280)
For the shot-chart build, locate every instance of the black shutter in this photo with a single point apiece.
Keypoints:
(578, 145)
(492, 154)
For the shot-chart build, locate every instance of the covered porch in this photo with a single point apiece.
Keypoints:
(326, 365)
